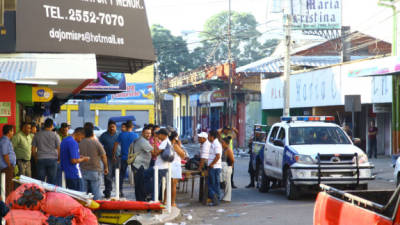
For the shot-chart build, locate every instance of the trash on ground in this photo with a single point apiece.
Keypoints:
(221, 210)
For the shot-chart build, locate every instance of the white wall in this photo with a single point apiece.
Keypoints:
(326, 87)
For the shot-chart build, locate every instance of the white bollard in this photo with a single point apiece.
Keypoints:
(169, 188)
(117, 184)
(63, 181)
(163, 189)
(3, 187)
(156, 184)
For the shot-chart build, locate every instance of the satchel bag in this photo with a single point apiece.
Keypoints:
(132, 154)
(168, 154)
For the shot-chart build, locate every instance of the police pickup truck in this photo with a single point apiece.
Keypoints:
(302, 152)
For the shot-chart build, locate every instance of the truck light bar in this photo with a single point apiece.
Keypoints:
(308, 118)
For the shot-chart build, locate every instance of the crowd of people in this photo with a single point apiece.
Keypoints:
(217, 159)
(86, 159)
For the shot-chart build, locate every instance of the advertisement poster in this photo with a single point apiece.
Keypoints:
(136, 91)
(108, 82)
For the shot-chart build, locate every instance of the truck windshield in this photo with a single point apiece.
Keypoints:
(317, 135)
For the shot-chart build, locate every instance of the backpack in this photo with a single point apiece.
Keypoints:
(168, 154)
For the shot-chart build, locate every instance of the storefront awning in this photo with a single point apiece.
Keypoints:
(275, 64)
(214, 98)
(65, 74)
(375, 67)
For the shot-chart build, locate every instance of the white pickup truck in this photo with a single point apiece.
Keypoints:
(302, 152)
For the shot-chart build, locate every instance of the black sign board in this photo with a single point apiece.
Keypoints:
(111, 29)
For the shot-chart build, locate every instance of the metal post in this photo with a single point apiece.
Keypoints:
(63, 183)
(169, 188)
(117, 184)
(395, 80)
(353, 123)
(157, 96)
(3, 187)
(286, 74)
(156, 184)
(3, 192)
(230, 102)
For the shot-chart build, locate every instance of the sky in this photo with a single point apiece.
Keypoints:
(190, 15)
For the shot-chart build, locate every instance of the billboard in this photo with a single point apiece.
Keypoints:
(116, 28)
(316, 14)
(135, 91)
(107, 82)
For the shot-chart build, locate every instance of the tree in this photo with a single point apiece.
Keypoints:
(245, 46)
(172, 52)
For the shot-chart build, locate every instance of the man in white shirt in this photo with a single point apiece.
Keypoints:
(214, 167)
(160, 163)
(205, 146)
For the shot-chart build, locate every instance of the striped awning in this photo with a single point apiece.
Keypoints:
(275, 65)
(13, 70)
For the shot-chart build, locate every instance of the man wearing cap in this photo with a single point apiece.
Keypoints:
(22, 143)
(205, 146)
(226, 132)
(160, 163)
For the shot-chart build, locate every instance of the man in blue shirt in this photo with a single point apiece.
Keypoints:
(8, 159)
(125, 139)
(108, 139)
(70, 159)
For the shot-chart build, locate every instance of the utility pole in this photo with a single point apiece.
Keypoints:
(230, 102)
(395, 80)
(286, 72)
(157, 97)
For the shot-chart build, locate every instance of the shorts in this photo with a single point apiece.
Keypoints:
(176, 170)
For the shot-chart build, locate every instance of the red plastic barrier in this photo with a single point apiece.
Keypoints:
(26, 196)
(88, 218)
(61, 205)
(129, 205)
(329, 210)
(25, 217)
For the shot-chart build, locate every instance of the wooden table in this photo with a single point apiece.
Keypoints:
(203, 184)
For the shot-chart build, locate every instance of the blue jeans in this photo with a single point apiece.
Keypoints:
(74, 184)
(213, 182)
(122, 173)
(59, 175)
(91, 181)
(108, 179)
(47, 168)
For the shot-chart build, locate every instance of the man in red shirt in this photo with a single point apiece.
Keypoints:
(372, 130)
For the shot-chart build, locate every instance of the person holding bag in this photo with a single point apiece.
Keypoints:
(227, 163)
(176, 166)
(164, 156)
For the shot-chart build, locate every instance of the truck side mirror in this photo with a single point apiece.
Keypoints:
(279, 143)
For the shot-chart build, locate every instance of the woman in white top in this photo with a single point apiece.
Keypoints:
(176, 167)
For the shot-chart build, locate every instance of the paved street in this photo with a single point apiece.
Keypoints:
(252, 207)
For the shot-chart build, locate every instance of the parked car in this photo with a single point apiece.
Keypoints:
(302, 152)
(336, 207)
(97, 131)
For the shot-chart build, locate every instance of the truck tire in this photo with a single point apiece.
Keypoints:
(263, 182)
(291, 191)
